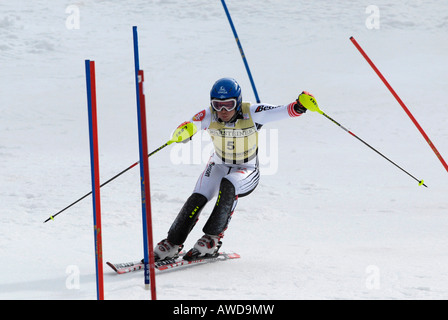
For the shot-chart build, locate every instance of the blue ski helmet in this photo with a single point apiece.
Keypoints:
(227, 88)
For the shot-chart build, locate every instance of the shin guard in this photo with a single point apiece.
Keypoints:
(222, 212)
(186, 219)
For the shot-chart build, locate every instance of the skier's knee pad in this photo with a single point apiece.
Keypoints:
(187, 218)
(222, 212)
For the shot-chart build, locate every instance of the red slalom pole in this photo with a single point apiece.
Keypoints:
(94, 162)
(148, 247)
(425, 136)
(147, 188)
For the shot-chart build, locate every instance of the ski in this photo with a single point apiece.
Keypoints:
(170, 264)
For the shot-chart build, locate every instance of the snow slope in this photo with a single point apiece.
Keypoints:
(330, 219)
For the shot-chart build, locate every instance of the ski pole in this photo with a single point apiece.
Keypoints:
(182, 133)
(240, 47)
(423, 133)
(309, 102)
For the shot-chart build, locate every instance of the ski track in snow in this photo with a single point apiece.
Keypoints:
(332, 221)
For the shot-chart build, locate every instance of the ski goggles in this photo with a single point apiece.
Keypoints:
(227, 104)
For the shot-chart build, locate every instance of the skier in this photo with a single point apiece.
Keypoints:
(232, 171)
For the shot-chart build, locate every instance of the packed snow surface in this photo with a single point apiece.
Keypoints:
(331, 219)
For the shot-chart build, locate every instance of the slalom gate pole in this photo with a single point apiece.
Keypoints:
(94, 163)
(148, 246)
(425, 136)
(238, 42)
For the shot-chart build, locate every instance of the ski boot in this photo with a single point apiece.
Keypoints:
(206, 247)
(166, 250)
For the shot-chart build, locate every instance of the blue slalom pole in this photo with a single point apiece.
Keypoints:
(150, 279)
(145, 231)
(95, 174)
(241, 51)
